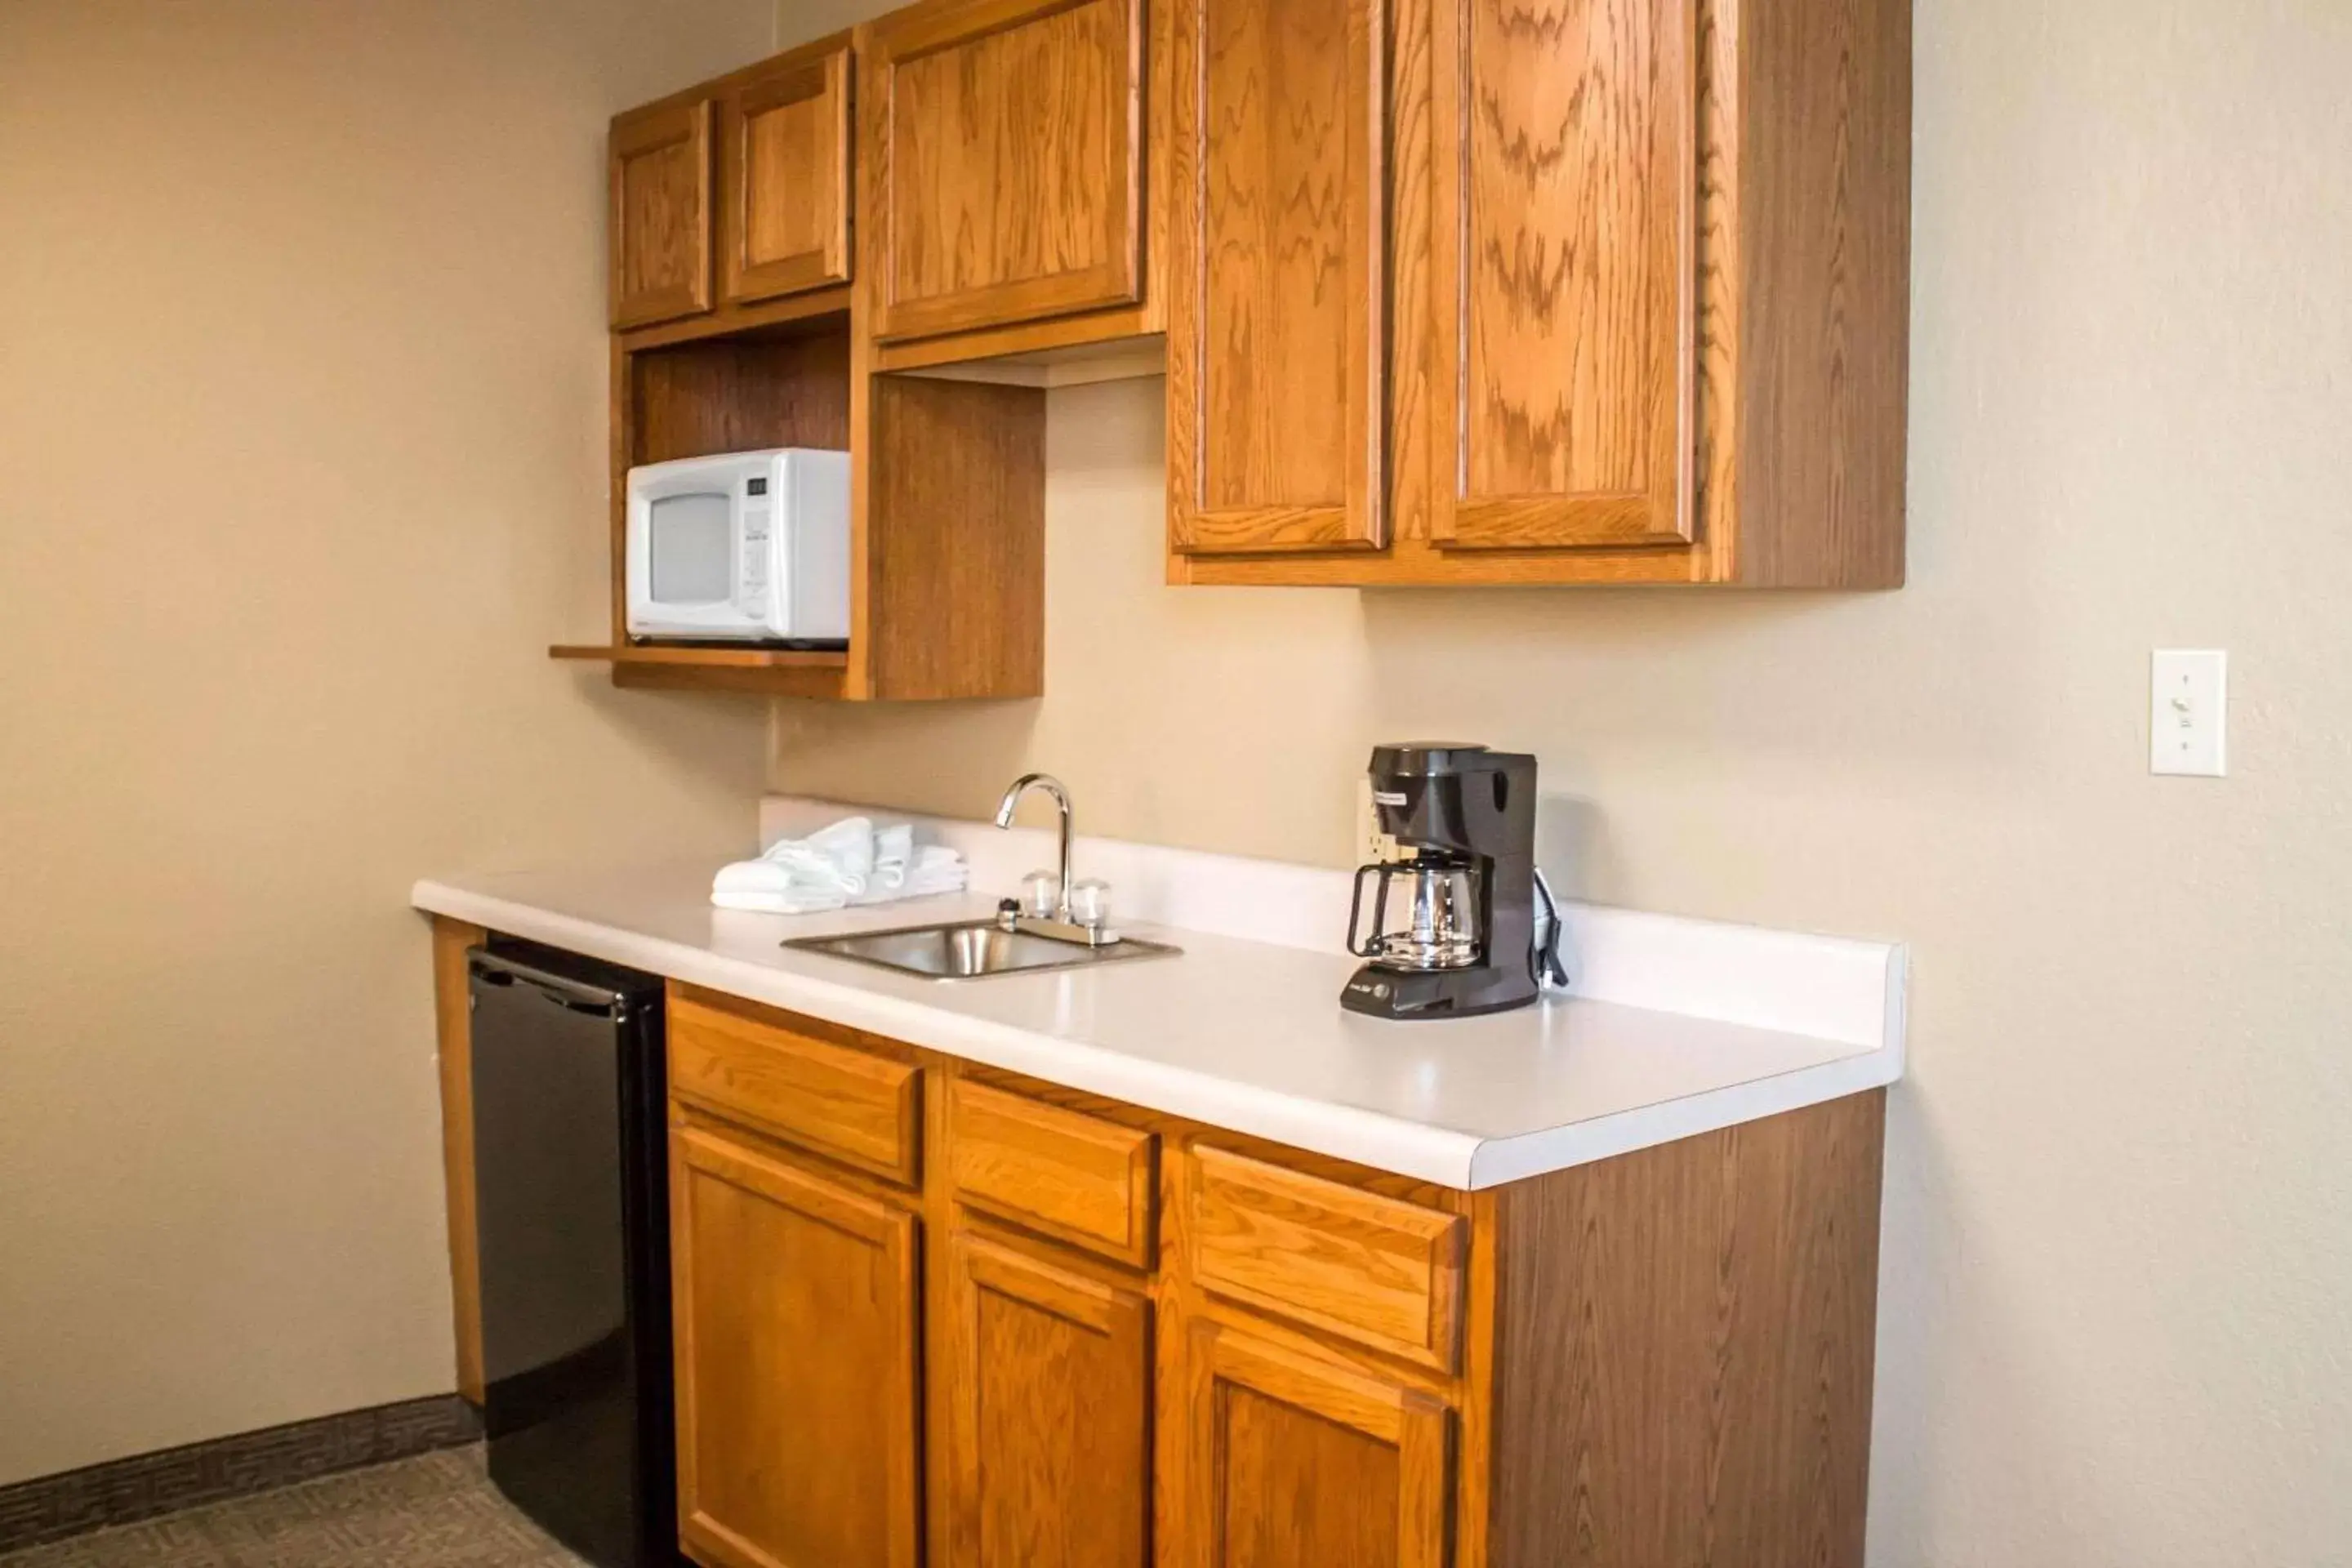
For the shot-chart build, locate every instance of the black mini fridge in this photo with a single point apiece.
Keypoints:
(572, 1214)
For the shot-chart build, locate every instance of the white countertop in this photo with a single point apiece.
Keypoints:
(1243, 1035)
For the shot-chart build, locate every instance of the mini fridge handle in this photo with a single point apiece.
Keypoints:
(484, 968)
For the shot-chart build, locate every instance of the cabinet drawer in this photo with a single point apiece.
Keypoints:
(1076, 1177)
(1377, 1271)
(857, 1107)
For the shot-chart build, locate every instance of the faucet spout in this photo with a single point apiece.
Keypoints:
(1060, 791)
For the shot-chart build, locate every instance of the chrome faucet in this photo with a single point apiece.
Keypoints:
(1061, 795)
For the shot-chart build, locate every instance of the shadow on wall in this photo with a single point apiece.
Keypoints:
(926, 756)
(1713, 681)
(1568, 840)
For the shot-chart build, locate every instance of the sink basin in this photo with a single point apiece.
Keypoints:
(971, 949)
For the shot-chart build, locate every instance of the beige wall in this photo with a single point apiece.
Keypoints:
(2118, 1257)
(301, 467)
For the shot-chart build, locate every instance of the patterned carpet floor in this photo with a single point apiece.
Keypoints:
(438, 1511)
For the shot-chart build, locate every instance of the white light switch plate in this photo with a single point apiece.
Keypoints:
(2188, 712)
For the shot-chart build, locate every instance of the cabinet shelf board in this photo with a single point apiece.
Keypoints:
(777, 671)
(818, 310)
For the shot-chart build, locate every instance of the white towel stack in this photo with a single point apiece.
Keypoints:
(850, 862)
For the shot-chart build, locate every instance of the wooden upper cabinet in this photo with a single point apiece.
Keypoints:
(1565, 272)
(1291, 1462)
(1647, 287)
(1049, 1442)
(1002, 144)
(794, 1302)
(659, 160)
(1277, 308)
(784, 143)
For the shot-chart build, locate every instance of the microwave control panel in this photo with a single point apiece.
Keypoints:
(751, 591)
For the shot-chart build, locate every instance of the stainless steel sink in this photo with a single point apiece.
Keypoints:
(969, 949)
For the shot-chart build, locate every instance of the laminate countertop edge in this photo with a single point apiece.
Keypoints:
(1374, 1061)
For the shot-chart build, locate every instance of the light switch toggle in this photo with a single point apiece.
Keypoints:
(2188, 707)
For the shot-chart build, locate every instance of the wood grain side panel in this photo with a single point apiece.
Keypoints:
(1279, 313)
(1824, 202)
(955, 538)
(1048, 1436)
(1074, 1177)
(1411, 350)
(659, 172)
(797, 1364)
(1566, 276)
(1369, 1269)
(852, 1105)
(1008, 145)
(620, 436)
(1682, 1343)
(1716, 433)
(453, 1021)
(857, 681)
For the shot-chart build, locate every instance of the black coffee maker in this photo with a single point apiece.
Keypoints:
(1453, 923)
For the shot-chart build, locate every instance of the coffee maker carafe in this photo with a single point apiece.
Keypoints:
(1452, 930)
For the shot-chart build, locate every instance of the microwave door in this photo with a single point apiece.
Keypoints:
(692, 538)
(683, 555)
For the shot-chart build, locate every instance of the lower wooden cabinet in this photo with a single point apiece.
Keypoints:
(1056, 1349)
(1048, 1461)
(1292, 1462)
(796, 1322)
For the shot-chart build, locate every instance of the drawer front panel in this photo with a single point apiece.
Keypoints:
(1072, 1177)
(861, 1109)
(1377, 1271)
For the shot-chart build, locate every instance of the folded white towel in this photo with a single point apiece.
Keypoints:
(935, 868)
(848, 862)
(840, 857)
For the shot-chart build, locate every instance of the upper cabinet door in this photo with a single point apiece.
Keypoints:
(1565, 272)
(1007, 147)
(795, 1304)
(1291, 1462)
(660, 167)
(784, 152)
(1277, 308)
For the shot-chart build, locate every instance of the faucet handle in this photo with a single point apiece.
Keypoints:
(1040, 895)
(1090, 903)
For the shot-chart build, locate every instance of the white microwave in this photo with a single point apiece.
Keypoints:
(746, 546)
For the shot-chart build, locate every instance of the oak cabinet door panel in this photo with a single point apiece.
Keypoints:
(1049, 1403)
(786, 152)
(1007, 147)
(795, 1304)
(1565, 270)
(1277, 311)
(1289, 1462)
(659, 167)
